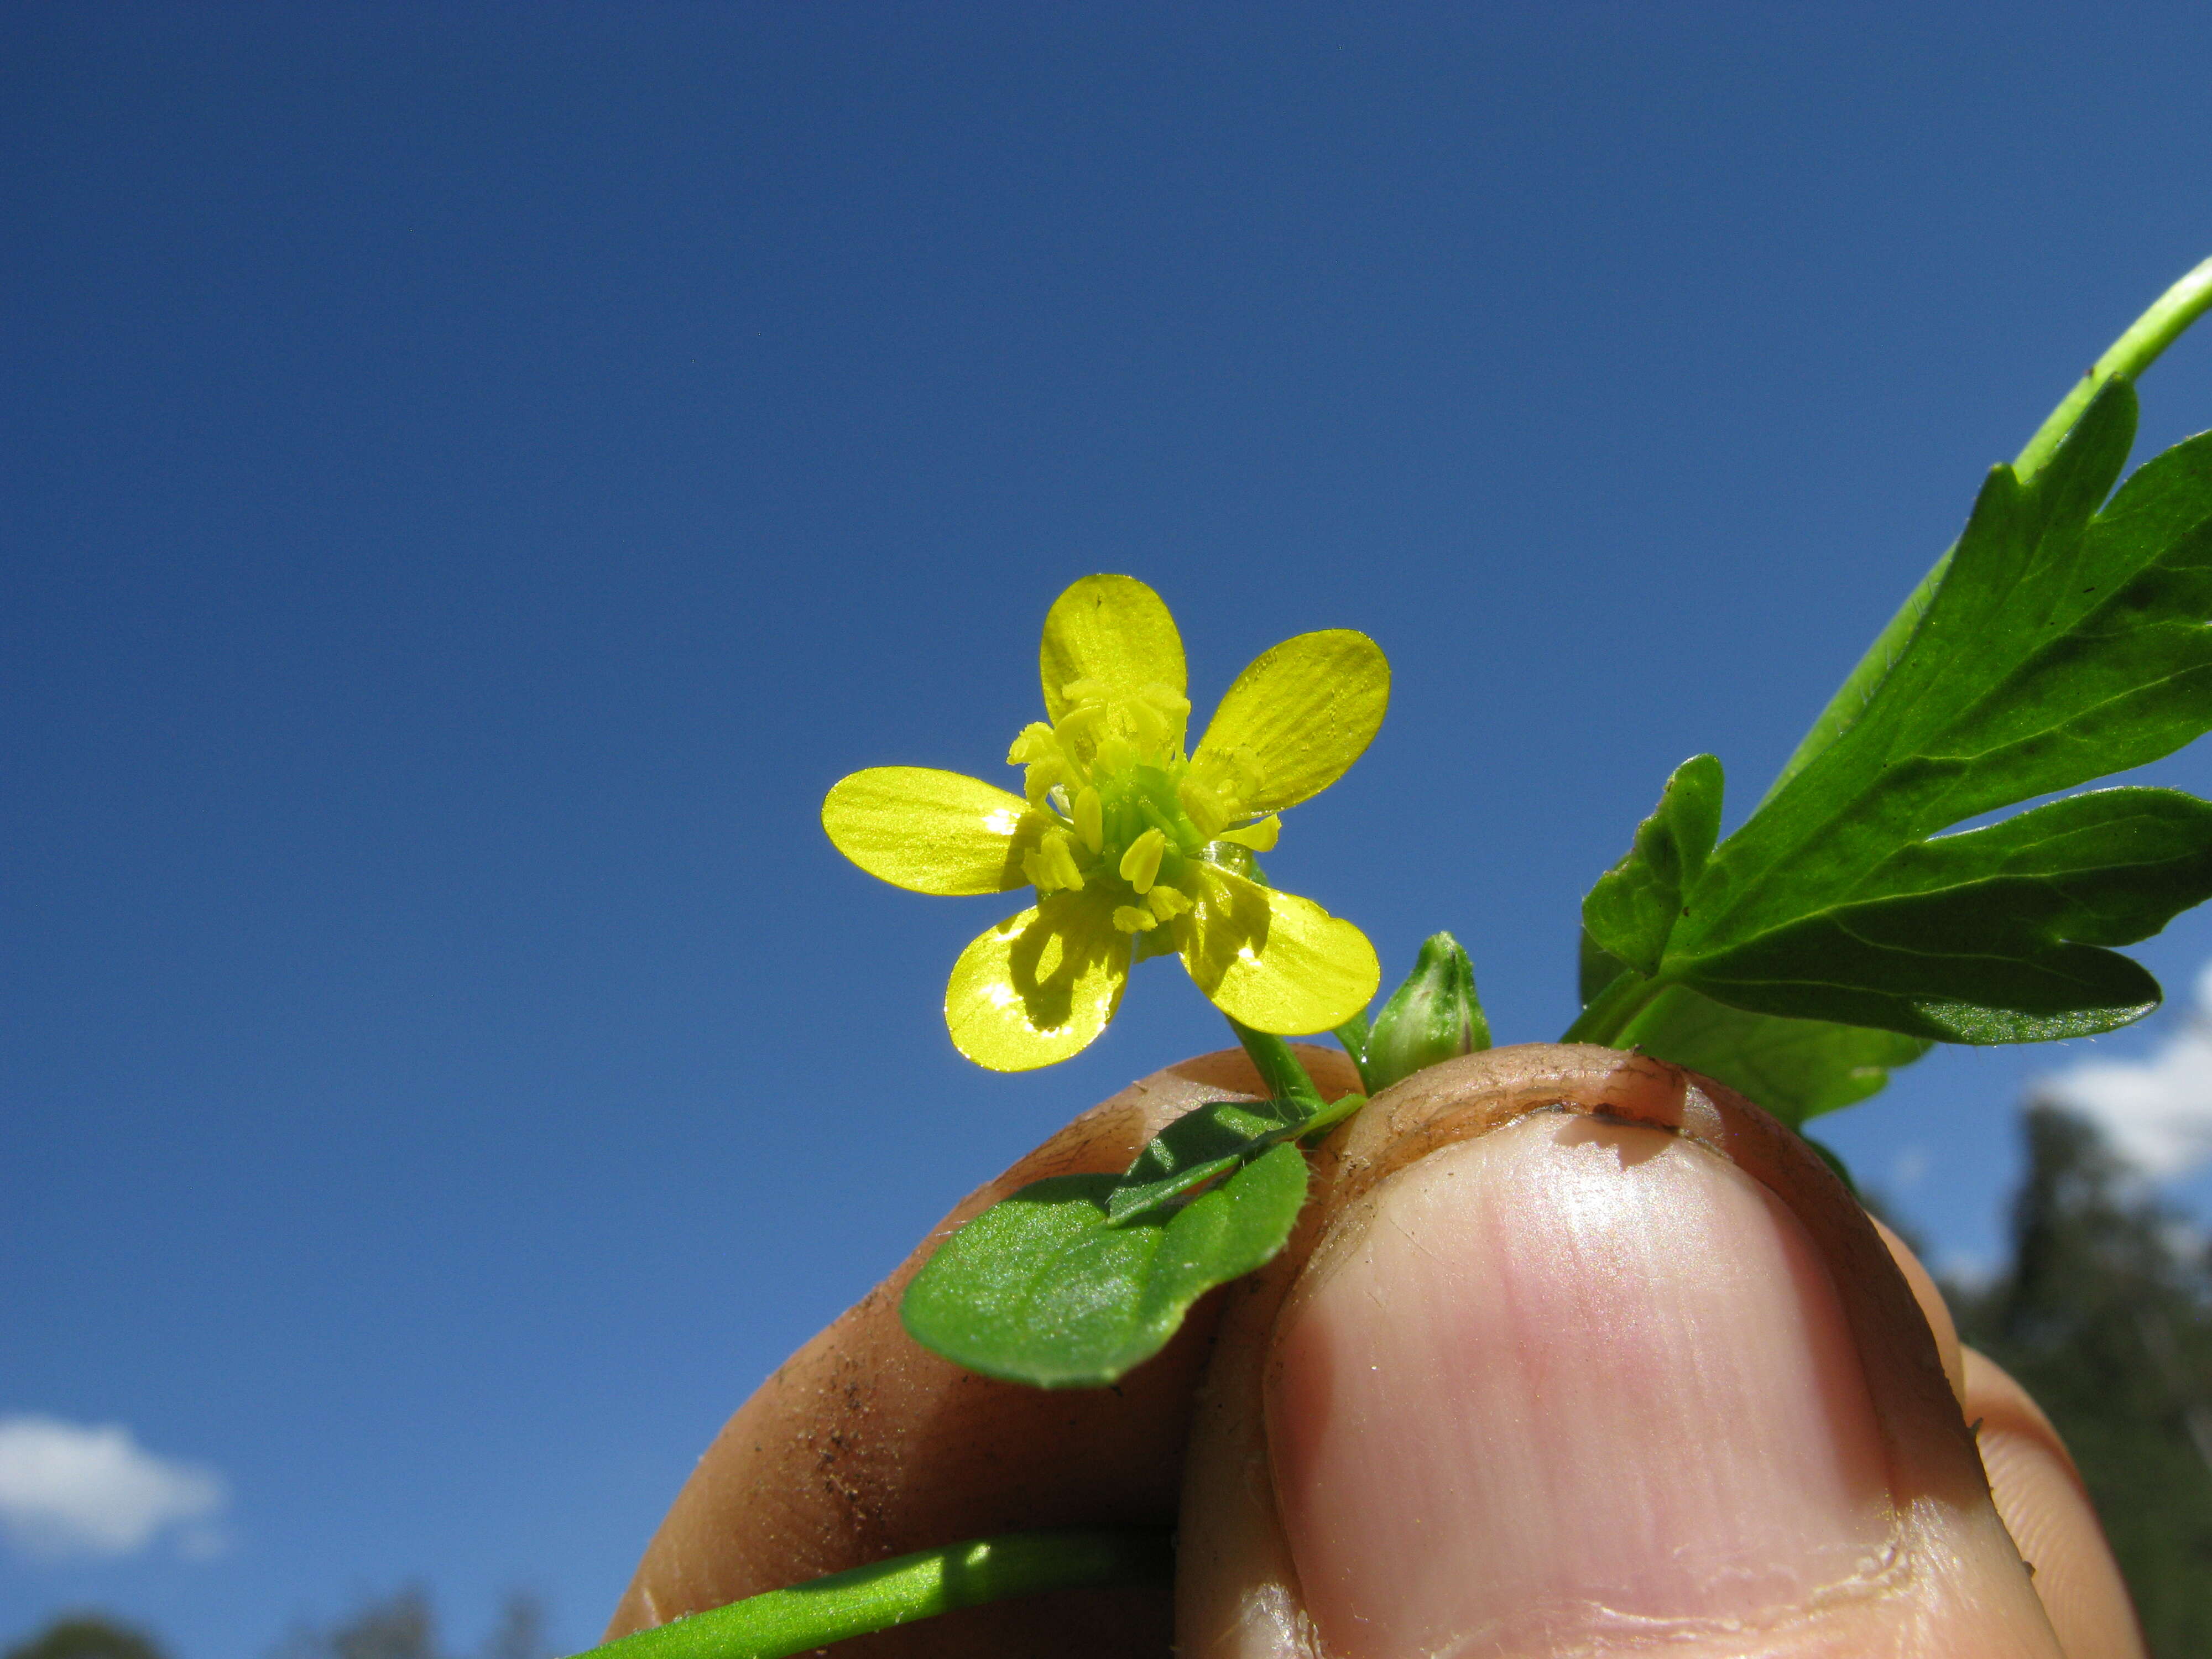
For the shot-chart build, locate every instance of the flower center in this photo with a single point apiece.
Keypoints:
(1130, 810)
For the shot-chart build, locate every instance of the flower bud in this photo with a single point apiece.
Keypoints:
(1434, 1016)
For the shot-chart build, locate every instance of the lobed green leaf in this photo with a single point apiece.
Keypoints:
(1796, 1068)
(2063, 643)
(1634, 907)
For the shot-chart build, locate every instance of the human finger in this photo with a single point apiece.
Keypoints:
(2037, 1491)
(1576, 1353)
(864, 1445)
(2039, 1494)
(1933, 1308)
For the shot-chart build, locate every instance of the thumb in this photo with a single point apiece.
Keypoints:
(1579, 1355)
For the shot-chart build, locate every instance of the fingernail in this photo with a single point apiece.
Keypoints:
(1567, 1383)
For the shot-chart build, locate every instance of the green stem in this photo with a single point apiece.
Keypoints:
(2124, 359)
(1353, 1034)
(1613, 1010)
(905, 1588)
(1316, 1128)
(1287, 1079)
(1279, 1068)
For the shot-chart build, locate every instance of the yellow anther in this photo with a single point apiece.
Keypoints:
(1165, 698)
(1036, 742)
(1166, 902)
(1080, 722)
(1228, 779)
(1040, 780)
(1039, 748)
(1140, 865)
(1089, 818)
(1059, 851)
(1131, 920)
(1261, 837)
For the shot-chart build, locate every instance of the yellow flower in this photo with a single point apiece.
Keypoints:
(1134, 849)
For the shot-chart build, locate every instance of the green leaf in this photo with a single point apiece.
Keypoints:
(1634, 907)
(1040, 1288)
(1796, 1068)
(1316, 1128)
(2063, 644)
(1595, 967)
(1991, 936)
(1076, 1278)
(1206, 1141)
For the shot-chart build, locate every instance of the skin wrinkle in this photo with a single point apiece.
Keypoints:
(1480, 1093)
(1933, 1573)
(1568, 1356)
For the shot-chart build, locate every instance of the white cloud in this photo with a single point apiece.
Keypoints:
(2157, 1112)
(68, 1489)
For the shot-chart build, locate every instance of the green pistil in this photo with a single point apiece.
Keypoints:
(1144, 797)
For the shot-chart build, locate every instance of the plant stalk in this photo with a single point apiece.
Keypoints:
(1279, 1068)
(904, 1588)
(2135, 351)
(1353, 1034)
(1610, 1011)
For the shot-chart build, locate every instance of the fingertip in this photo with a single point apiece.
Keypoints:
(2035, 1485)
(2044, 1505)
(1545, 1383)
(1933, 1309)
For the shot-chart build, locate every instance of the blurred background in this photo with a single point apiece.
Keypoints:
(474, 475)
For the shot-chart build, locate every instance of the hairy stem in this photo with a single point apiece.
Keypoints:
(1279, 1068)
(1353, 1034)
(2126, 357)
(905, 1588)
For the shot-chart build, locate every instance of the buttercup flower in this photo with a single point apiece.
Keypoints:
(1135, 848)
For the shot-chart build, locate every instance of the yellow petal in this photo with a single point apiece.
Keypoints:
(1275, 961)
(1305, 710)
(1113, 630)
(1261, 837)
(931, 831)
(1038, 987)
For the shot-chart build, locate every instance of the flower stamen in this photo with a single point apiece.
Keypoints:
(1140, 865)
(1090, 815)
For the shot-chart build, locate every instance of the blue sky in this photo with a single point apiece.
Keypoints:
(473, 478)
